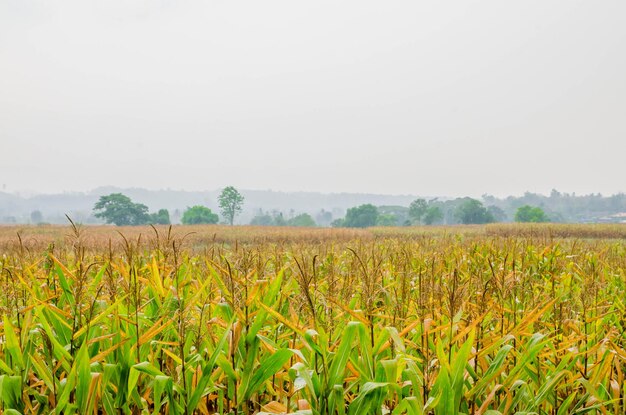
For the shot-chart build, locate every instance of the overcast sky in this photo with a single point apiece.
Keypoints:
(422, 97)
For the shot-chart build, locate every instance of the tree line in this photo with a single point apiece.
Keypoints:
(119, 209)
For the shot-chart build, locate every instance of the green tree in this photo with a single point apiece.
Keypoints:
(274, 218)
(387, 219)
(426, 213)
(417, 209)
(472, 211)
(303, 219)
(198, 214)
(118, 209)
(162, 217)
(231, 203)
(529, 213)
(498, 214)
(432, 215)
(361, 216)
(262, 219)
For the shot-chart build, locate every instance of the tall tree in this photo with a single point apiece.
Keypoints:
(231, 203)
(417, 209)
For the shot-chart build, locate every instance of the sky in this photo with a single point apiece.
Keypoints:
(450, 98)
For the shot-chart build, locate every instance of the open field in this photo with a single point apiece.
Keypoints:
(496, 319)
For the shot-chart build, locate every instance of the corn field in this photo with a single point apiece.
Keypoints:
(432, 324)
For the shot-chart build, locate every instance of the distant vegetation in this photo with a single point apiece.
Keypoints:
(529, 213)
(120, 210)
(277, 208)
(231, 203)
(196, 215)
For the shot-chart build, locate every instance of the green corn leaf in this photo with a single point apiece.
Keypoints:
(207, 370)
(12, 345)
(340, 359)
(162, 384)
(83, 381)
(365, 400)
(11, 392)
(266, 369)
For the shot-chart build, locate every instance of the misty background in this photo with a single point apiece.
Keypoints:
(448, 99)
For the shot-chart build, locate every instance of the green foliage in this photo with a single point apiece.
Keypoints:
(277, 219)
(231, 203)
(432, 215)
(162, 217)
(441, 324)
(361, 216)
(386, 219)
(269, 219)
(529, 213)
(118, 209)
(303, 219)
(395, 215)
(426, 213)
(472, 211)
(417, 209)
(498, 214)
(198, 214)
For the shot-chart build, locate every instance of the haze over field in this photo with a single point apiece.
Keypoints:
(440, 98)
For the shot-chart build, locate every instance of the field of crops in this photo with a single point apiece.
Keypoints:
(469, 320)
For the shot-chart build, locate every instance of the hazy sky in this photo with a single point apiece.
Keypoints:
(421, 97)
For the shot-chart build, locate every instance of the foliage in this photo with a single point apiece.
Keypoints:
(498, 214)
(274, 218)
(399, 214)
(162, 217)
(361, 216)
(426, 213)
(303, 219)
(529, 213)
(432, 215)
(231, 203)
(118, 209)
(441, 324)
(386, 219)
(472, 211)
(417, 209)
(199, 215)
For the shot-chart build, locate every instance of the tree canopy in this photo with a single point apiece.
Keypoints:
(231, 203)
(199, 214)
(529, 213)
(303, 219)
(472, 211)
(361, 216)
(118, 209)
(426, 213)
(162, 217)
